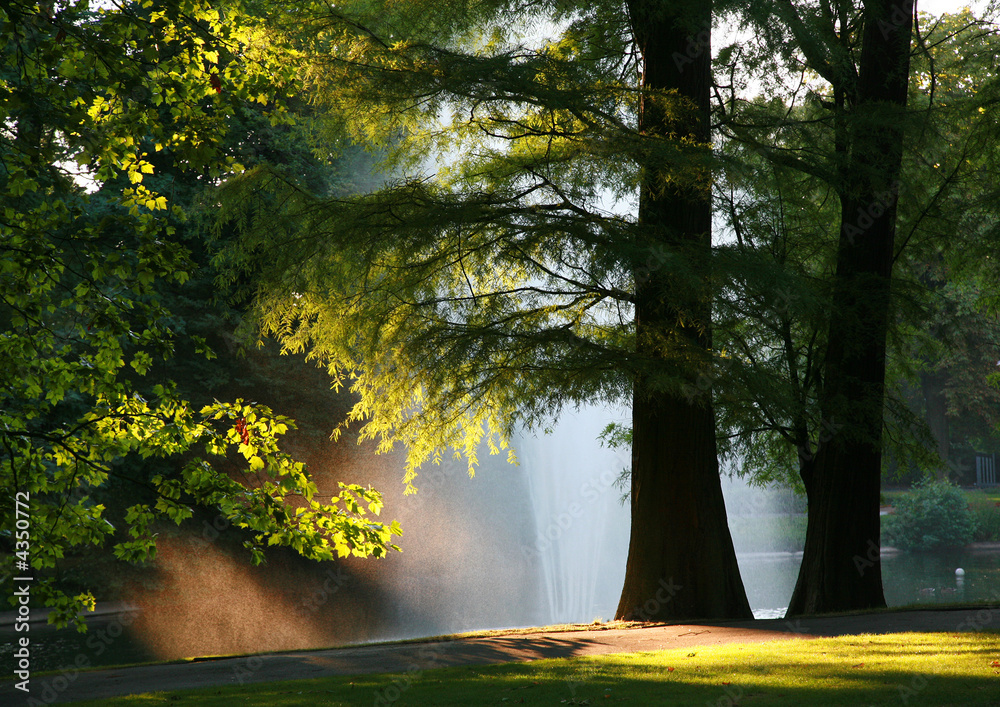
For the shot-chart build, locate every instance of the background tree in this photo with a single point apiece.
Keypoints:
(827, 139)
(503, 288)
(862, 60)
(675, 469)
(949, 241)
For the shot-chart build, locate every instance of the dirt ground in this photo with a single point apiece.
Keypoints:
(518, 645)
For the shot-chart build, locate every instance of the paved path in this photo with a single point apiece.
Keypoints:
(77, 685)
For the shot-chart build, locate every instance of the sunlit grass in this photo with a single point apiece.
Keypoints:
(908, 669)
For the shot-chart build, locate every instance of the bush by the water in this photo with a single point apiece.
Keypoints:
(986, 514)
(934, 515)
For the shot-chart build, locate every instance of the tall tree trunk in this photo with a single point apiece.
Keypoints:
(840, 564)
(681, 562)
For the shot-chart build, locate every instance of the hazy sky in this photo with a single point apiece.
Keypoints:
(937, 7)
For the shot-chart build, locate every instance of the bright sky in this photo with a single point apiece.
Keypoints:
(938, 7)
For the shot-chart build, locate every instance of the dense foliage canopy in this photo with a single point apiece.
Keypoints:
(536, 235)
(94, 98)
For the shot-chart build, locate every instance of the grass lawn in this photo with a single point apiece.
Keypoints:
(898, 669)
(990, 495)
(769, 533)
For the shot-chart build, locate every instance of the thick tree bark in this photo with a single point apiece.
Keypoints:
(840, 565)
(681, 561)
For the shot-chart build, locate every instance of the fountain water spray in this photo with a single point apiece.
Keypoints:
(581, 526)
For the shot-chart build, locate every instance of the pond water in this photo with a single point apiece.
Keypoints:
(930, 578)
(108, 641)
(907, 578)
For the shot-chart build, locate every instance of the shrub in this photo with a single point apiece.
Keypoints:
(934, 515)
(986, 514)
